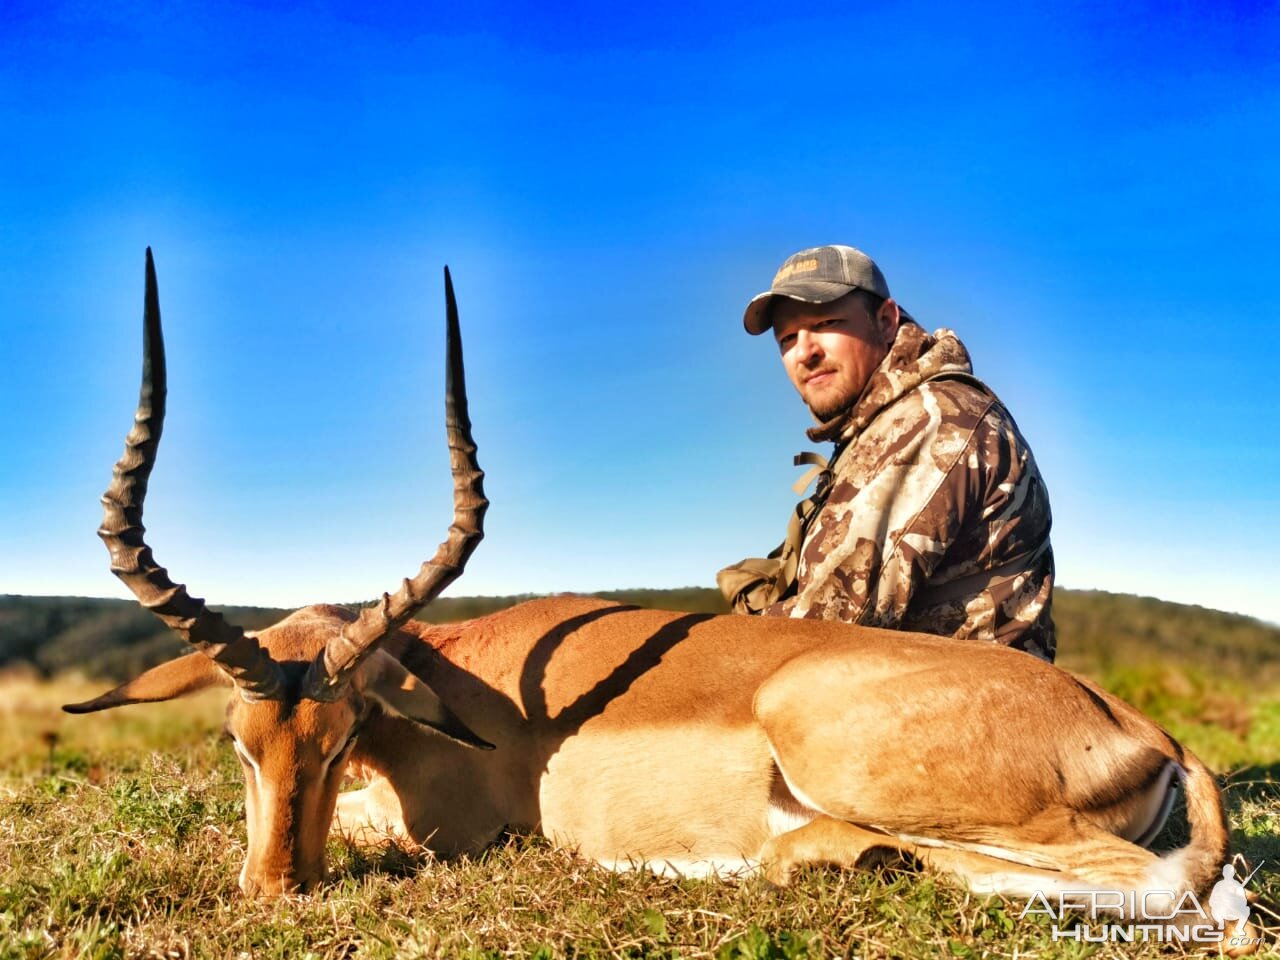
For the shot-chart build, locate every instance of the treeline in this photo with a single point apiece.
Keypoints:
(1097, 632)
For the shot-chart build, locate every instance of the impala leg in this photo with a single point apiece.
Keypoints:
(1098, 861)
(1073, 848)
(827, 841)
(1091, 858)
(831, 842)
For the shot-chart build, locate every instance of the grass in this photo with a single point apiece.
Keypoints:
(121, 835)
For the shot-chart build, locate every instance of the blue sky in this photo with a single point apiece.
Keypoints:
(1087, 193)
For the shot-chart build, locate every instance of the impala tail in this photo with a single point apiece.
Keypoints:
(1202, 858)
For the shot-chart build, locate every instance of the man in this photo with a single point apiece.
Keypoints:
(931, 514)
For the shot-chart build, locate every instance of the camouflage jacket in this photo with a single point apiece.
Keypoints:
(931, 515)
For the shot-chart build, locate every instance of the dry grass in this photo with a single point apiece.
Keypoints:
(121, 836)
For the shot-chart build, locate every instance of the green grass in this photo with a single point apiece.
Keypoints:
(122, 836)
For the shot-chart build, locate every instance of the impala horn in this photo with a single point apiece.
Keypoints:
(122, 531)
(332, 669)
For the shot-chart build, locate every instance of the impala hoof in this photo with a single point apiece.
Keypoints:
(778, 868)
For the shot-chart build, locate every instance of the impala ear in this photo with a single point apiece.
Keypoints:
(177, 678)
(403, 694)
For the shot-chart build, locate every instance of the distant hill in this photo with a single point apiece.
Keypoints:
(1098, 633)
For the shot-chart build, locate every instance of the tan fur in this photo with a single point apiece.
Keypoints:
(636, 735)
(711, 744)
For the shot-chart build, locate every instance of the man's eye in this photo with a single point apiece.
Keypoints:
(787, 342)
(829, 322)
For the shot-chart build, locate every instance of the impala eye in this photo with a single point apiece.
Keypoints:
(244, 756)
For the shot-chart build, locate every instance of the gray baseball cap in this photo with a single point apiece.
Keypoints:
(817, 275)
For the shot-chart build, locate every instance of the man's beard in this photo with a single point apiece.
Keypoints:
(832, 404)
(831, 408)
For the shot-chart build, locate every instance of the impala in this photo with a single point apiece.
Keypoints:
(688, 743)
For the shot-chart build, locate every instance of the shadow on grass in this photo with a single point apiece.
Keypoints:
(354, 864)
(1253, 805)
(1257, 783)
(391, 860)
(1252, 797)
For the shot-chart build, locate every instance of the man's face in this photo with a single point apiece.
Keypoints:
(831, 349)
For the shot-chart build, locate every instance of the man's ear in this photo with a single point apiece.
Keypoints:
(176, 678)
(404, 695)
(887, 318)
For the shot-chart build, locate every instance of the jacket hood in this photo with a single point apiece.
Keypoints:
(914, 358)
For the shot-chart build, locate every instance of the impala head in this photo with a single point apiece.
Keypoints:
(303, 687)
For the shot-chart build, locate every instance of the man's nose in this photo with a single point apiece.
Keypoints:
(808, 350)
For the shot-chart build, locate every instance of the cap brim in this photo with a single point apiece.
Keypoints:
(756, 319)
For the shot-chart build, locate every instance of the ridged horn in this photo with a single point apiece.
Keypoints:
(122, 531)
(332, 669)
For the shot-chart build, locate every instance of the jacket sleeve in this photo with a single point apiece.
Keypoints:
(752, 585)
(899, 499)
